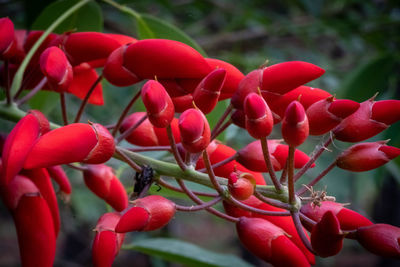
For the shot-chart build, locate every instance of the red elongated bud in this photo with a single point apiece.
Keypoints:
(367, 156)
(259, 120)
(381, 239)
(269, 242)
(41, 179)
(182, 103)
(90, 47)
(121, 38)
(283, 77)
(368, 120)
(386, 111)
(326, 236)
(84, 78)
(207, 93)
(164, 59)
(7, 38)
(55, 66)
(33, 222)
(251, 156)
(102, 181)
(107, 242)
(249, 84)
(240, 186)
(115, 72)
(306, 95)
(349, 219)
(218, 152)
(295, 127)
(326, 114)
(159, 106)
(60, 177)
(17, 146)
(147, 214)
(77, 142)
(194, 130)
(233, 77)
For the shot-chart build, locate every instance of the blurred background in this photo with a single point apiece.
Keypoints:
(357, 42)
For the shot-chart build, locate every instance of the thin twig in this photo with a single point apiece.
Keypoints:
(268, 163)
(124, 113)
(314, 156)
(131, 163)
(175, 151)
(316, 179)
(86, 99)
(199, 207)
(32, 93)
(130, 129)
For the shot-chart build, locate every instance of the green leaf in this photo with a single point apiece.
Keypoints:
(186, 253)
(87, 18)
(369, 78)
(214, 116)
(152, 27)
(45, 101)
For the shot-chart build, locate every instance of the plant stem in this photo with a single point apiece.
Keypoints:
(221, 129)
(63, 108)
(16, 84)
(200, 206)
(292, 197)
(300, 232)
(221, 163)
(86, 99)
(131, 129)
(32, 93)
(7, 82)
(221, 120)
(272, 202)
(268, 163)
(125, 112)
(211, 175)
(283, 178)
(314, 156)
(177, 189)
(150, 148)
(317, 179)
(125, 158)
(175, 151)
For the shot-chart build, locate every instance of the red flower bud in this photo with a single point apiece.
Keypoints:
(306, 95)
(349, 220)
(7, 38)
(164, 59)
(326, 236)
(239, 118)
(269, 242)
(17, 146)
(241, 186)
(295, 124)
(90, 47)
(251, 156)
(369, 120)
(249, 84)
(380, 239)
(57, 69)
(233, 77)
(326, 114)
(33, 222)
(84, 77)
(102, 181)
(367, 156)
(115, 72)
(284, 77)
(77, 142)
(58, 175)
(259, 120)
(107, 242)
(147, 214)
(207, 93)
(182, 103)
(194, 130)
(159, 106)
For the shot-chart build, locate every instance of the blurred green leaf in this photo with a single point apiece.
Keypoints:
(367, 79)
(214, 116)
(152, 27)
(87, 18)
(45, 101)
(186, 253)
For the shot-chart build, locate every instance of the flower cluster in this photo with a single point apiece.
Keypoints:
(275, 222)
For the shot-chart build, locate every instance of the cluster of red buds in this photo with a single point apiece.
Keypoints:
(275, 222)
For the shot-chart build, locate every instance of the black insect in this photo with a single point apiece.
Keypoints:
(143, 181)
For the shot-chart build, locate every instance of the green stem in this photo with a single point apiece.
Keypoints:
(131, 12)
(16, 84)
